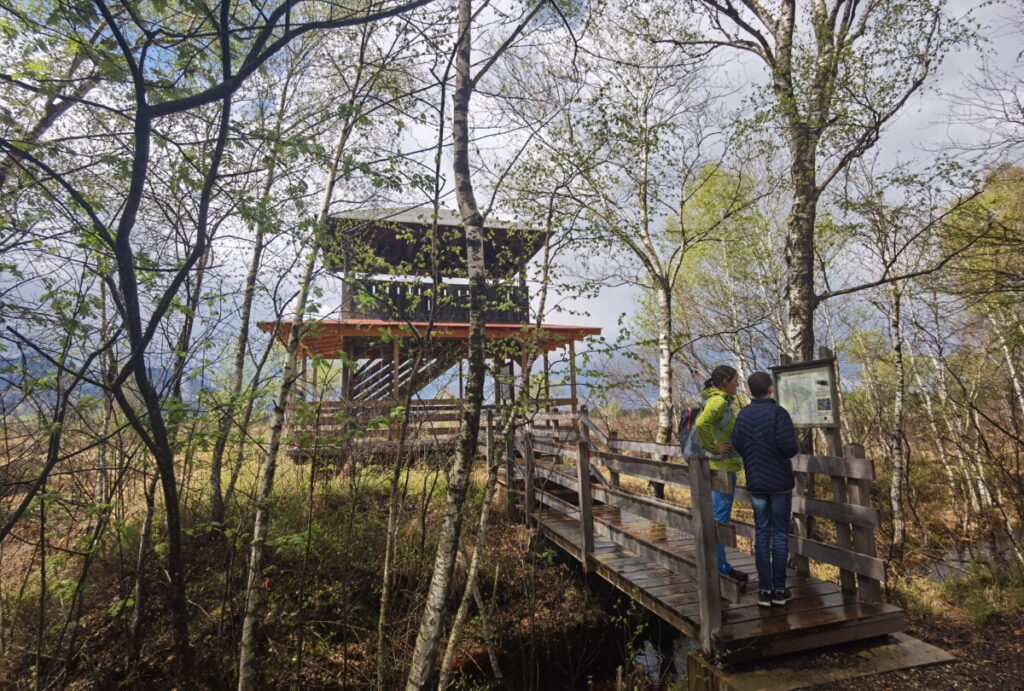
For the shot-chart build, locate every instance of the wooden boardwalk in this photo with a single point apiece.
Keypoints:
(661, 553)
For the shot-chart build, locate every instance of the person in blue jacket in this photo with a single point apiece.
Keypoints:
(765, 438)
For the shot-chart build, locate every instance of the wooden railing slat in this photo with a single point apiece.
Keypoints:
(648, 447)
(820, 508)
(854, 468)
(669, 473)
(865, 564)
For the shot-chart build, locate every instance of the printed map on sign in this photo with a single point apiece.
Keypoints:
(807, 395)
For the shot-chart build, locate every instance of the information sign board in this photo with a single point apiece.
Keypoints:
(808, 391)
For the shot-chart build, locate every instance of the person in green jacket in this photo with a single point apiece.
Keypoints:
(714, 430)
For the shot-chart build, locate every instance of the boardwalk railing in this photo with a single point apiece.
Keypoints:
(335, 428)
(576, 451)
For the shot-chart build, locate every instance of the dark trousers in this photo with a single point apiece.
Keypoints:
(771, 538)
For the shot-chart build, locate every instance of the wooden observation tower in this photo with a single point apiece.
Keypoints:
(401, 331)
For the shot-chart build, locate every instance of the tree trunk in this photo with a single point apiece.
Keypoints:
(800, 299)
(253, 599)
(246, 658)
(899, 528)
(664, 406)
(421, 667)
(471, 591)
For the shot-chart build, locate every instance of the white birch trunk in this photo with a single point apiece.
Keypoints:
(253, 595)
(421, 667)
(899, 528)
(253, 592)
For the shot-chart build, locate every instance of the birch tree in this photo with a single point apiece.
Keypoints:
(421, 667)
(838, 72)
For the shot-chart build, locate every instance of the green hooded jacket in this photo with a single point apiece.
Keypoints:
(714, 425)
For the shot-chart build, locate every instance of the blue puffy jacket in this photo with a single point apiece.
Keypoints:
(766, 439)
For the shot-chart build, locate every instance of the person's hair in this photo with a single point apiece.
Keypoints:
(759, 383)
(720, 375)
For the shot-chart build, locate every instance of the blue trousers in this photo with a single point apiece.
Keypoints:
(721, 510)
(771, 538)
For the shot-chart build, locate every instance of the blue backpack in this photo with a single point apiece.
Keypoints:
(689, 440)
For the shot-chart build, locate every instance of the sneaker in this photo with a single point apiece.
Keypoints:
(738, 575)
(764, 598)
(781, 597)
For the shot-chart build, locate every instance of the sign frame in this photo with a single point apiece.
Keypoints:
(827, 364)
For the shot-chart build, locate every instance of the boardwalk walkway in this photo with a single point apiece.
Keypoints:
(661, 553)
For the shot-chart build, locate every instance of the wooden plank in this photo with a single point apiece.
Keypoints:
(781, 622)
(807, 638)
(897, 652)
(646, 468)
(647, 447)
(848, 467)
(559, 417)
(797, 604)
(671, 515)
(664, 611)
(805, 548)
(747, 608)
(832, 510)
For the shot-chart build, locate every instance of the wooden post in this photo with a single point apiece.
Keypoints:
(510, 477)
(530, 503)
(524, 354)
(394, 368)
(708, 586)
(847, 579)
(834, 440)
(305, 378)
(613, 435)
(800, 526)
(489, 439)
(315, 387)
(547, 379)
(346, 372)
(572, 374)
(512, 381)
(869, 590)
(497, 383)
(585, 501)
